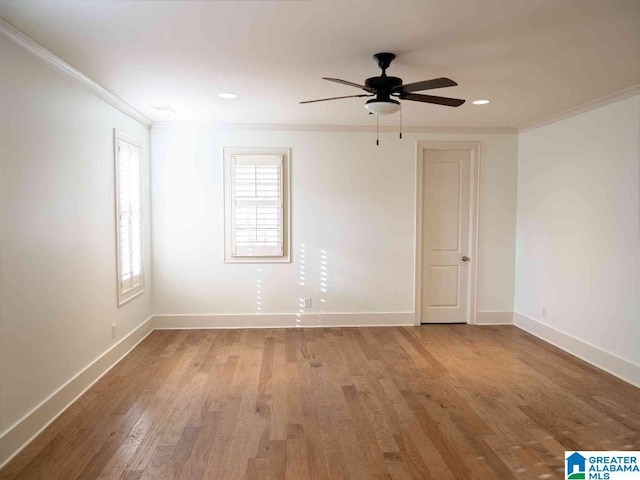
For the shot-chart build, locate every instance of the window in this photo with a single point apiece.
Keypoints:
(256, 205)
(128, 218)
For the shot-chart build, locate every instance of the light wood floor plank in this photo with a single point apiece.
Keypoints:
(439, 402)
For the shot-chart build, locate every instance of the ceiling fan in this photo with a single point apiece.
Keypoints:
(386, 89)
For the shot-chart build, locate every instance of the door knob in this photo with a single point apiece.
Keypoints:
(465, 259)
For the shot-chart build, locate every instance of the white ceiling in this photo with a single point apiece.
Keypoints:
(532, 58)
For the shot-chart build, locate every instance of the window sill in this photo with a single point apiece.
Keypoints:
(129, 296)
(284, 259)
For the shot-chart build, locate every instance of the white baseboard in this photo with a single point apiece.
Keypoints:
(607, 361)
(284, 320)
(19, 435)
(494, 317)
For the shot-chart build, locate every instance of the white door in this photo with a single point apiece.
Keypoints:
(445, 236)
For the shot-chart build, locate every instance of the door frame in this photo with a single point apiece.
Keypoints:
(474, 200)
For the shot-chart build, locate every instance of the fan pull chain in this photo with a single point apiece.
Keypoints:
(377, 130)
(400, 124)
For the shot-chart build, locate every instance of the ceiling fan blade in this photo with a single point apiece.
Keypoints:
(416, 97)
(351, 84)
(426, 85)
(337, 98)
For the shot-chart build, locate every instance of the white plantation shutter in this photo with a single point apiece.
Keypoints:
(129, 218)
(257, 206)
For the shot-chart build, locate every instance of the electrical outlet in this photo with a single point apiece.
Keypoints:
(307, 302)
(113, 331)
(544, 313)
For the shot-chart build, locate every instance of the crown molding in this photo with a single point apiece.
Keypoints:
(585, 107)
(58, 65)
(334, 128)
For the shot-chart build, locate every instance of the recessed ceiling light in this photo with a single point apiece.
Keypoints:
(480, 102)
(227, 95)
(164, 109)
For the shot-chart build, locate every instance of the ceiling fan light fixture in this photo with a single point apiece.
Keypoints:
(382, 107)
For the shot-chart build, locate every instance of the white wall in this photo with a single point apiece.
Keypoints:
(351, 201)
(57, 247)
(578, 240)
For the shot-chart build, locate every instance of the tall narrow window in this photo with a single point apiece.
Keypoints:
(256, 217)
(129, 235)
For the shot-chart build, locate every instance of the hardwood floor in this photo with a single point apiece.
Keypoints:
(434, 402)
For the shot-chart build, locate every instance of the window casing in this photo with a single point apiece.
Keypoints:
(129, 221)
(256, 205)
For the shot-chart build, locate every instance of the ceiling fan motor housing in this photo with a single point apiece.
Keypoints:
(383, 104)
(383, 84)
